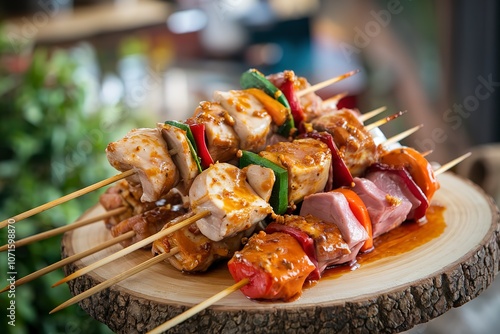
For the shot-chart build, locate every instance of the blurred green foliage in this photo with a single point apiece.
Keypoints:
(52, 142)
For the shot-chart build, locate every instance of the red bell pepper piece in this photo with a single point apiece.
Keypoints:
(304, 240)
(198, 131)
(288, 90)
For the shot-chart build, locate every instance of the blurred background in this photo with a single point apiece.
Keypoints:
(77, 74)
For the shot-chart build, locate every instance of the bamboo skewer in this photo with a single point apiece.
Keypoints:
(62, 229)
(334, 99)
(135, 246)
(366, 116)
(326, 83)
(198, 308)
(116, 279)
(382, 121)
(426, 153)
(71, 259)
(402, 135)
(451, 164)
(66, 198)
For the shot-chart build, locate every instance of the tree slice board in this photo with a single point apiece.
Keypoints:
(388, 295)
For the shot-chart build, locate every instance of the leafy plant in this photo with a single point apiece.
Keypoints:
(52, 143)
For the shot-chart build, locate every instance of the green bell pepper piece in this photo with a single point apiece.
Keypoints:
(279, 194)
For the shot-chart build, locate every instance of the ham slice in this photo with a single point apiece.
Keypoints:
(386, 211)
(333, 207)
(393, 185)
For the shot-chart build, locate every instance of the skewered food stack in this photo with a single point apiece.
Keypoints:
(284, 185)
(260, 163)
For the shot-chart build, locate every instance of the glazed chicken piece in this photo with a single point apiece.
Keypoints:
(234, 205)
(355, 144)
(261, 179)
(252, 123)
(146, 152)
(307, 162)
(196, 252)
(222, 141)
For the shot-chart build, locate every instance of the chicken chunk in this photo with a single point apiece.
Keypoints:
(147, 223)
(223, 190)
(275, 265)
(307, 162)
(261, 179)
(122, 195)
(222, 141)
(355, 144)
(328, 241)
(196, 252)
(145, 151)
(252, 123)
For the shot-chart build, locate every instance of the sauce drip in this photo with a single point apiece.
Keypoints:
(400, 240)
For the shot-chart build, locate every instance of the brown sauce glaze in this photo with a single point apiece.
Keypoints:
(400, 240)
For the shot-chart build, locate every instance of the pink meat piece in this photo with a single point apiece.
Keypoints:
(386, 211)
(395, 186)
(333, 207)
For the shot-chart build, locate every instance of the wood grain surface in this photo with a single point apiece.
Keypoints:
(389, 295)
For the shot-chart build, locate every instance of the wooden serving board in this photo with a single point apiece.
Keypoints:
(389, 295)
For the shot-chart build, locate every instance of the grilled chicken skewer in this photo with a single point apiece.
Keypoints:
(222, 192)
(327, 240)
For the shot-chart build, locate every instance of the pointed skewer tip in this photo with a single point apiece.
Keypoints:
(447, 166)
(366, 116)
(326, 83)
